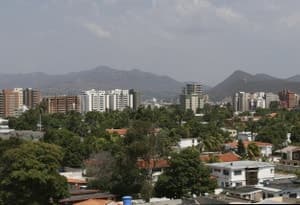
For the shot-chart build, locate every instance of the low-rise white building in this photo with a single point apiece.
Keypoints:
(242, 173)
(187, 142)
(232, 132)
(249, 136)
(4, 128)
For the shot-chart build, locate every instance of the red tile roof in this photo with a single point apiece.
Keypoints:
(76, 181)
(157, 163)
(94, 202)
(122, 131)
(229, 157)
(246, 143)
(163, 163)
(225, 157)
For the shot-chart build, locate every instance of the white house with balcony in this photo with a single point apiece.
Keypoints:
(242, 173)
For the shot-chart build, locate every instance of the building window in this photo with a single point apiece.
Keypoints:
(238, 184)
(271, 170)
(238, 172)
(217, 170)
(225, 172)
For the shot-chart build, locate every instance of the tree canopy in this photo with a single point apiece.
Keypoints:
(241, 148)
(185, 176)
(28, 174)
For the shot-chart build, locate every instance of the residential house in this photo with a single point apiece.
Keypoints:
(249, 136)
(232, 132)
(242, 173)
(187, 142)
(289, 188)
(75, 178)
(290, 155)
(156, 166)
(247, 193)
(265, 148)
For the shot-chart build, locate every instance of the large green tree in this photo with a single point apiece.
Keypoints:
(28, 174)
(186, 176)
(253, 151)
(241, 150)
(73, 148)
(296, 134)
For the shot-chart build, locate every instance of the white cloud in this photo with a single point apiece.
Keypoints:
(110, 1)
(228, 15)
(292, 20)
(191, 7)
(97, 30)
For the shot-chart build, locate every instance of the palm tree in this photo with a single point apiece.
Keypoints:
(253, 151)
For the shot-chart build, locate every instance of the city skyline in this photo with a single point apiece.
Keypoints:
(161, 37)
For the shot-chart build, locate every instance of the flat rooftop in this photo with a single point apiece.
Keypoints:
(242, 190)
(221, 199)
(285, 185)
(241, 164)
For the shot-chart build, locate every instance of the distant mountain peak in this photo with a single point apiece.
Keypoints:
(240, 72)
(243, 81)
(102, 68)
(101, 77)
(295, 78)
(238, 75)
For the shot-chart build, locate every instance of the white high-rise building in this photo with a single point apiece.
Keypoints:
(101, 100)
(242, 102)
(20, 94)
(120, 99)
(271, 97)
(94, 100)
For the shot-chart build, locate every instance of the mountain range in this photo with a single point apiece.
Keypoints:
(102, 77)
(151, 85)
(243, 81)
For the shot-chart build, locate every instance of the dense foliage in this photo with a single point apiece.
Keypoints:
(29, 173)
(152, 134)
(241, 150)
(186, 176)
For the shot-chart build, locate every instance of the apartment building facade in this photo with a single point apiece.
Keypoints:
(243, 101)
(62, 104)
(192, 97)
(17, 100)
(10, 102)
(31, 97)
(104, 100)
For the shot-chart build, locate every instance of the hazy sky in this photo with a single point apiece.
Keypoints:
(189, 40)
